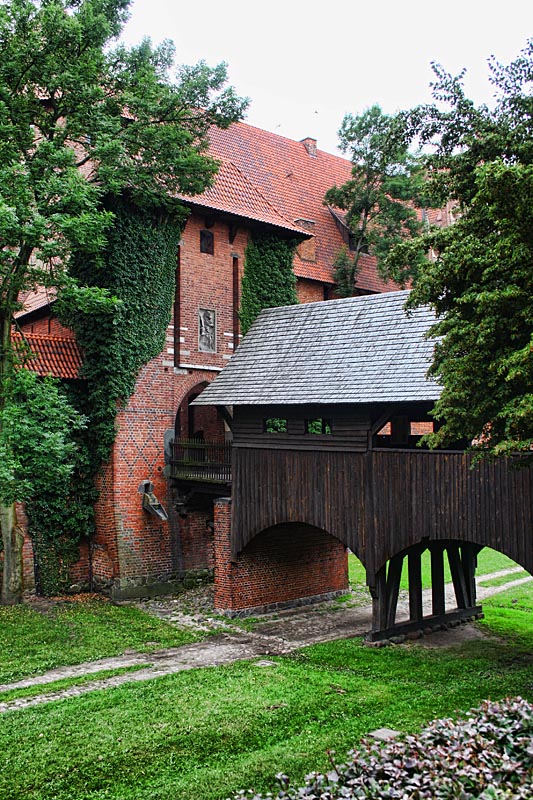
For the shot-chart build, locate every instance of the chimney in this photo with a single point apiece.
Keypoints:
(310, 146)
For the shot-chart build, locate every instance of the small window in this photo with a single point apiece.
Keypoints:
(320, 427)
(207, 242)
(275, 425)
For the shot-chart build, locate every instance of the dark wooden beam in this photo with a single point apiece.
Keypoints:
(438, 598)
(458, 575)
(378, 590)
(226, 416)
(394, 575)
(414, 562)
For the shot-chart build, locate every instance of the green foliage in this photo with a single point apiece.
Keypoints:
(38, 452)
(119, 336)
(207, 732)
(73, 632)
(378, 201)
(275, 425)
(345, 271)
(268, 279)
(486, 755)
(481, 281)
(82, 126)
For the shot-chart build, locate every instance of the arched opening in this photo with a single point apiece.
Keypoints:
(199, 423)
(287, 564)
(435, 583)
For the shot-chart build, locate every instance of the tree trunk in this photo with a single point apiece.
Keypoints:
(13, 540)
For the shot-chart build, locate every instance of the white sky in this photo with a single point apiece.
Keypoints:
(304, 65)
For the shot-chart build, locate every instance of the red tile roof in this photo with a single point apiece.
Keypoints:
(294, 181)
(35, 299)
(49, 355)
(233, 193)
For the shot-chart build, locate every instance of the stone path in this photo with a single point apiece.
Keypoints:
(276, 634)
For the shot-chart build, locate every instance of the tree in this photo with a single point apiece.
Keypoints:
(379, 198)
(37, 454)
(80, 125)
(480, 283)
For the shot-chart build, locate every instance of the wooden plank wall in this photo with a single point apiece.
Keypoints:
(381, 502)
(349, 429)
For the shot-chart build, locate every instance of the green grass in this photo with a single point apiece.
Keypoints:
(488, 561)
(203, 734)
(65, 683)
(503, 579)
(510, 614)
(70, 633)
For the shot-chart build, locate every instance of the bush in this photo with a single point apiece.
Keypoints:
(488, 755)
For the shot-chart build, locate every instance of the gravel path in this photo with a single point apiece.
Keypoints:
(276, 634)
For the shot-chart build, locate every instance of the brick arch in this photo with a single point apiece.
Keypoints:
(287, 564)
(198, 422)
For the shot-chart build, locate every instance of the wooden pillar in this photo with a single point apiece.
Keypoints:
(469, 553)
(458, 575)
(378, 590)
(437, 580)
(394, 575)
(414, 560)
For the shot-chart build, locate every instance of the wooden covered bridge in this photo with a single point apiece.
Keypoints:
(328, 401)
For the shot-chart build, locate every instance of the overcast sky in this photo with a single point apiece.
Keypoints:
(304, 65)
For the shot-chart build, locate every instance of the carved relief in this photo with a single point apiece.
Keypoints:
(207, 334)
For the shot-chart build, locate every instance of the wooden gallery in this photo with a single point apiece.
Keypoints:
(263, 471)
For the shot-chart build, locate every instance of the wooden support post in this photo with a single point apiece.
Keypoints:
(437, 580)
(394, 575)
(378, 590)
(416, 610)
(458, 575)
(469, 553)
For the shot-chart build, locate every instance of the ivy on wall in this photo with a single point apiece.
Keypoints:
(268, 280)
(123, 329)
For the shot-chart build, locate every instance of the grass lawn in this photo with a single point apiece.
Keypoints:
(74, 632)
(202, 735)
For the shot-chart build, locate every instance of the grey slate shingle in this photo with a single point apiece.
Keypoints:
(355, 350)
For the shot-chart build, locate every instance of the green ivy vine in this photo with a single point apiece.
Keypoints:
(117, 337)
(268, 280)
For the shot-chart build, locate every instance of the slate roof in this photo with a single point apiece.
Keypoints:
(49, 355)
(356, 350)
(294, 182)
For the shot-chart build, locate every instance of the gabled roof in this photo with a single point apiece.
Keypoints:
(356, 350)
(35, 301)
(294, 178)
(234, 194)
(49, 355)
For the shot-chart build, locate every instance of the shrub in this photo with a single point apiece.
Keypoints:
(488, 755)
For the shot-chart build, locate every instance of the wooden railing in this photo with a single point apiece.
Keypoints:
(194, 460)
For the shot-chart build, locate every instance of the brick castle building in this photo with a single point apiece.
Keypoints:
(265, 182)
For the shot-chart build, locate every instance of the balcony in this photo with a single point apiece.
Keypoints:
(203, 462)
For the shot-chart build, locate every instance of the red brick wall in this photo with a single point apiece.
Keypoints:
(196, 540)
(48, 325)
(309, 291)
(207, 282)
(280, 565)
(130, 545)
